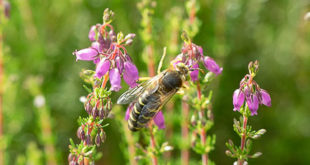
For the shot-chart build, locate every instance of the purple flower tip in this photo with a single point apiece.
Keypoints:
(238, 99)
(86, 54)
(212, 66)
(131, 74)
(115, 79)
(194, 74)
(265, 98)
(102, 68)
(159, 120)
(128, 111)
(92, 33)
(252, 102)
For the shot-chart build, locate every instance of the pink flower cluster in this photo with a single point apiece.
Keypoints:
(251, 92)
(191, 56)
(110, 56)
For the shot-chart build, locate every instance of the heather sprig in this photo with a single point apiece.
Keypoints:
(108, 53)
(202, 118)
(246, 100)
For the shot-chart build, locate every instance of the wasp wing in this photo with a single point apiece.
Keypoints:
(164, 99)
(133, 93)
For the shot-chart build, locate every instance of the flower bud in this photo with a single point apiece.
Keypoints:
(88, 108)
(97, 140)
(95, 112)
(78, 133)
(88, 140)
(130, 36)
(101, 113)
(129, 42)
(70, 157)
(102, 136)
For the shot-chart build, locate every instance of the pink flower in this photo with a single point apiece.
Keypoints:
(86, 54)
(159, 120)
(92, 33)
(265, 98)
(131, 74)
(238, 99)
(115, 79)
(102, 68)
(128, 111)
(212, 66)
(194, 74)
(253, 103)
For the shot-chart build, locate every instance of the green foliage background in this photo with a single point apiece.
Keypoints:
(40, 36)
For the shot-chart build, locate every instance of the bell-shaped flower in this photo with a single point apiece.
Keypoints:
(97, 46)
(130, 74)
(212, 66)
(253, 103)
(265, 98)
(159, 120)
(92, 33)
(115, 79)
(102, 67)
(86, 54)
(194, 74)
(238, 99)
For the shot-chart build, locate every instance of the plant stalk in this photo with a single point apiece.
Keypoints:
(1, 79)
(185, 113)
(243, 139)
(203, 133)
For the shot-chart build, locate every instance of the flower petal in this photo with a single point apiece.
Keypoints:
(128, 111)
(115, 79)
(265, 98)
(131, 74)
(238, 99)
(159, 120)
(86, 54)
(92, 33)
(253, 103)
(212, 66)
(194, 74)
(102, 68)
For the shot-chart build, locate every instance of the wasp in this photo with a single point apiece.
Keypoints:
(150, 96)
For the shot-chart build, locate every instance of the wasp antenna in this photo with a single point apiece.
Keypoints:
(162, 60)
(201, 70)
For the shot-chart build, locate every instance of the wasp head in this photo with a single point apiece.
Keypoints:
(182, 68)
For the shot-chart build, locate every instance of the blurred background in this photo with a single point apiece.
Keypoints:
(42, 85)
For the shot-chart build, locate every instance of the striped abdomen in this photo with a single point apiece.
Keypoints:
(148, 104)
(144, 109)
